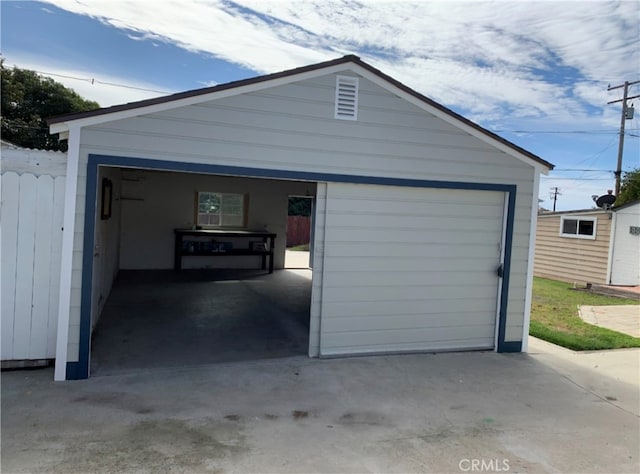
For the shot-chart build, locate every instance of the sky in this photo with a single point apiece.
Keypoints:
(534, 72)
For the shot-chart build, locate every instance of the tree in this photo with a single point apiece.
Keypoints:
(28, 100)
(299, 206)
(629, 187)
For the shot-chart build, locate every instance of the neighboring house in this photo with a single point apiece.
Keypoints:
(590, 246)
(423, 220)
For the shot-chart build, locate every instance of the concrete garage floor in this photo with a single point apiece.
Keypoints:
(155, 319)
(549, 411)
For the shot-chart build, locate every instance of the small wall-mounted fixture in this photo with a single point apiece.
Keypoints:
(107, 199)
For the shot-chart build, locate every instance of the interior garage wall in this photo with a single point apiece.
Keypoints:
(154, 203)
(107, 244)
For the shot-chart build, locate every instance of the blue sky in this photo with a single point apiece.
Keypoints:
(536, 73)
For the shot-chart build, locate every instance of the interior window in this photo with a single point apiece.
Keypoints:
(220, 209)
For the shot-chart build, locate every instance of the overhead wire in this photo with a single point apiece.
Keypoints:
(97, 81)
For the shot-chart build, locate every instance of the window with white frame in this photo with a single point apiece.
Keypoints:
(578, 227)
(220, 209)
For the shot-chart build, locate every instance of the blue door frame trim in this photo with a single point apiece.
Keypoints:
(80, 369)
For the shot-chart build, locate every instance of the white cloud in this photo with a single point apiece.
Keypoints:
(488, 59)
(202, 26)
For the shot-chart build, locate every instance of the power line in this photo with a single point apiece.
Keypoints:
(579, 169)
(561, 132)
(570, 132)
(576, 179)
(97, 81)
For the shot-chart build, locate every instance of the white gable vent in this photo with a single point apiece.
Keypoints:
(346, 98)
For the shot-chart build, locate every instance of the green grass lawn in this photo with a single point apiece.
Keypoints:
(554, 318)
(300, 248)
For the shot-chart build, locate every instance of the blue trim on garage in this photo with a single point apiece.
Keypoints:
(511, 346)
(80, 369)
(75, 371)
(504, 295)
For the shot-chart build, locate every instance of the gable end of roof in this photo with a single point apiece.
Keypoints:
(292, 72)
(199, 92)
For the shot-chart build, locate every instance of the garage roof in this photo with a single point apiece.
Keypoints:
(68, 118)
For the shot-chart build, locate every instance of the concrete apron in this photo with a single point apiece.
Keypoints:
(544, 412)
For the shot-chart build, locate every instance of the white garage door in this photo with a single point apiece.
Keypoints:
(410, 269)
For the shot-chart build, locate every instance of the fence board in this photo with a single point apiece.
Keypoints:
(25, 258)
(41, 268)
(31, 214)
(9, 219)
(298, 230)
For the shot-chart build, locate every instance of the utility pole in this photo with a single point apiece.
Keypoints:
(625, 97)
(555, 192)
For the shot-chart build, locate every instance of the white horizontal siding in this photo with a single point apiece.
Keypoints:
(426, 290)
(292, 127)
(380, 302)
(434, 312)
(271, 131)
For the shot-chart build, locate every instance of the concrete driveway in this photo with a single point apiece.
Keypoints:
(549, 411)
(621, 318)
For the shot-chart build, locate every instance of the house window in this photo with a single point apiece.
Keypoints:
(578, 227)
(220, 209)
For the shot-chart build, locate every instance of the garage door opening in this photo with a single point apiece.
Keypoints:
(223, 304)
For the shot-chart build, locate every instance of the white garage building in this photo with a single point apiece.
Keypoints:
(424, 222)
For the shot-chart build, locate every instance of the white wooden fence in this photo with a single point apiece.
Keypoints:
(31, 216)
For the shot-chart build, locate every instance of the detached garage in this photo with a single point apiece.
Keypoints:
(423, 222)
